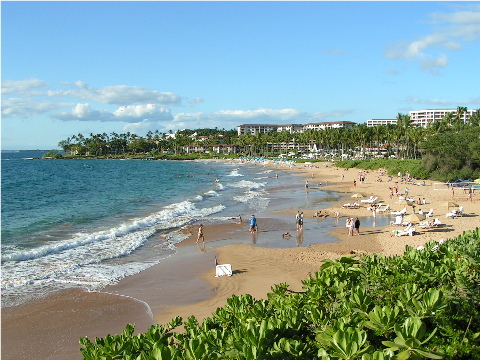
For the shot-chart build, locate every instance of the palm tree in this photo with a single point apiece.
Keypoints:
(474, 120)
(379, 133)
(404, 122)
(362, 133)
(458, 123)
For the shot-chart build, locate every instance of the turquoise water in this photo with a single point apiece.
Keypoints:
(90, 223)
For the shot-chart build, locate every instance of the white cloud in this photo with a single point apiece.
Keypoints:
(129, 114)
(150, 111)
(197, 100)
(26, 107)
(83, 112)
(442, 103)
(118, 94)
(22, 86)
(451, 30)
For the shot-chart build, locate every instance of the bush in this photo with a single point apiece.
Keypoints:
(424, 304)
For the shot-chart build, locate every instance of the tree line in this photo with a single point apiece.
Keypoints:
(447, 148)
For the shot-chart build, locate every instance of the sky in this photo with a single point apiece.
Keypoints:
(118, 66)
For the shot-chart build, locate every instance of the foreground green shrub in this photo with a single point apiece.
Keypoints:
(424, 304)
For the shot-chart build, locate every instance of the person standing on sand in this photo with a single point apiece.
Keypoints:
(354, 183)
(297, 220)
(200, 234)
(253, 223)
(300, 222)
(357, 226)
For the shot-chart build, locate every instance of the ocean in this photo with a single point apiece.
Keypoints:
(90, 223)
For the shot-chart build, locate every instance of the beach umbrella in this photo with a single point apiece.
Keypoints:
(414, 218)
(357, 195)
(450, 204)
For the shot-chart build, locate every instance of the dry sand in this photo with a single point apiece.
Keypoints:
(257, 269)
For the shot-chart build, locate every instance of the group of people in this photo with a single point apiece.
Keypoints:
(353, 226)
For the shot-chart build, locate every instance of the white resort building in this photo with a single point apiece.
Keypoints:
(328, 125)
(292, 128)
(375, 122)
(424, 117)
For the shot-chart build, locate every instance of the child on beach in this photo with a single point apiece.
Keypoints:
(200, 234)
(253, 224)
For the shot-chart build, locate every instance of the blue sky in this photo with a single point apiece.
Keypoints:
(95, 67)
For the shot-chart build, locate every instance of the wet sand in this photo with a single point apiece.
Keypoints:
(185, 284)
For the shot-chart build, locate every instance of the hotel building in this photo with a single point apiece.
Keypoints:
(375, 122)
(292, 128)
(424, 117)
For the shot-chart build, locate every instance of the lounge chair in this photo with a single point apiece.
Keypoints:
(437, 222)
(380, 209)
(429, 214)
(372, 200)
(401, 212)
(221, 270)
(451, 214)
(426, 224)
(408, 231)
(351, 206)
(398, 220)
(367, 200)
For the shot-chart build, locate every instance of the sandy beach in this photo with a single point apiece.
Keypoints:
(185, 284)
(256, 269)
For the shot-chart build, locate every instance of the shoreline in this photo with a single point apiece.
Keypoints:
(185, 284)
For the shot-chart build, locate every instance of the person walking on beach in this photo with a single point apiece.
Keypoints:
(357, 226)
(200, 234)
(253, 224)
(300, 222)
(306, 185)
(347, 225)
(354, 183)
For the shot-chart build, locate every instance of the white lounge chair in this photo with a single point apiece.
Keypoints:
(371, 200)
(437, 222)
(429, 214)
(426, 224)
(221, 270)
(398, 220)
(408, 231)
(380, 209)
(451, 214)
(367, 200)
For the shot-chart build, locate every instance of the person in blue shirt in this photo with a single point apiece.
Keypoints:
(253, 223)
